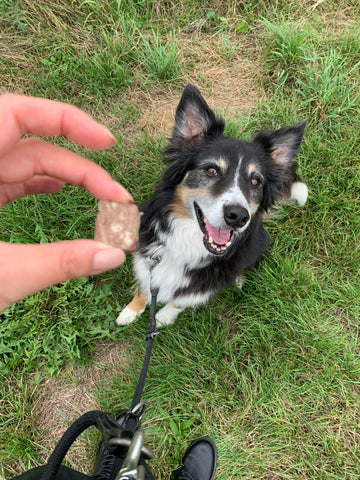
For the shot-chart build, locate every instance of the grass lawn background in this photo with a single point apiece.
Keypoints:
(272, 372)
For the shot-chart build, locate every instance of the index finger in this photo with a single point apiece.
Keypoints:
(21, 115)
(33, 157)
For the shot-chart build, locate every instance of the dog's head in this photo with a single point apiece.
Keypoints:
(223, 182)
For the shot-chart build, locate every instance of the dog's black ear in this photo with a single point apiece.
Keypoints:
(283, 144)
(194, 119)
(281, 147)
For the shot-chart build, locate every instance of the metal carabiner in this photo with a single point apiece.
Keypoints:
(140, 406)
(131, 468)
(155, 256)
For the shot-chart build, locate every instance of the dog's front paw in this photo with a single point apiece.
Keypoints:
(126, 316)
(167, 315)
(239, 281)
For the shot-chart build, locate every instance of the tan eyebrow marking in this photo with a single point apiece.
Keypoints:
(222, 163)
(251, 169)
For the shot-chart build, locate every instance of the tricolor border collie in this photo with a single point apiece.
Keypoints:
(205, 218)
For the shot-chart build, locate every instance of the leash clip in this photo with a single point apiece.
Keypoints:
(138, 409)
(151, 335)
(131, 468)
(154, 255)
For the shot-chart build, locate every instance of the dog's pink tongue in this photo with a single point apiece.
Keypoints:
(219, 235)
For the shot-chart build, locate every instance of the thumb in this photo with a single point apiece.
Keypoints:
(26, 269)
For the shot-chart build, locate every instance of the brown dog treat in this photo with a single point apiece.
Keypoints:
(117, 225)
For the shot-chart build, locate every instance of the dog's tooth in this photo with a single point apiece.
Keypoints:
(228, 244)
(211, 240)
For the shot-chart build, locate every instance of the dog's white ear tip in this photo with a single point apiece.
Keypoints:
(299, 193)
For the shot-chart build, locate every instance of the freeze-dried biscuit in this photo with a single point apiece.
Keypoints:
(117, 225)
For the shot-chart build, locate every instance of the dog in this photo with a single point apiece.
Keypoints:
(204, 219)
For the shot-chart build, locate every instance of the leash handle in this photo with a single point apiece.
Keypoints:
(85, 421)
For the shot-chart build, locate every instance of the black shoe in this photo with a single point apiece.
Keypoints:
(198, 462)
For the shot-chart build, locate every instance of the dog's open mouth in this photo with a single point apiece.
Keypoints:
(216, 240)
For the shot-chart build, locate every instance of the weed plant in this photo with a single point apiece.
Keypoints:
(161, 60)
(271, 372)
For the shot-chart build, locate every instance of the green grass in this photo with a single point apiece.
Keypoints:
(161, 60)
(272, 373)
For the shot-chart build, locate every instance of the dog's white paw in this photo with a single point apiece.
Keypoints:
(239, 281)
(299, 192)
(167, 315)
(127, 316)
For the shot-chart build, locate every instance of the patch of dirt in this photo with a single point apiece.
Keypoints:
(229, 86)
(63, 400)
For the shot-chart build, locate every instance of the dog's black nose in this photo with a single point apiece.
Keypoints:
(236, 216)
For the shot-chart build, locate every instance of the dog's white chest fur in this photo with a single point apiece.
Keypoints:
(181, 250)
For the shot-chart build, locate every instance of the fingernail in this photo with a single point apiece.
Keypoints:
(126, 196)
(108, 133)
(112, 138)
(107, 259)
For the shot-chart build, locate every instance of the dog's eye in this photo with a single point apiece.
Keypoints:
(255, 181)
(212, 171)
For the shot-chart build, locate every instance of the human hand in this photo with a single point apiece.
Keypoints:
(31, 165)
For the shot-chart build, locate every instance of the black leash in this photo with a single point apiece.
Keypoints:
(150, 336)
(122, 436)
